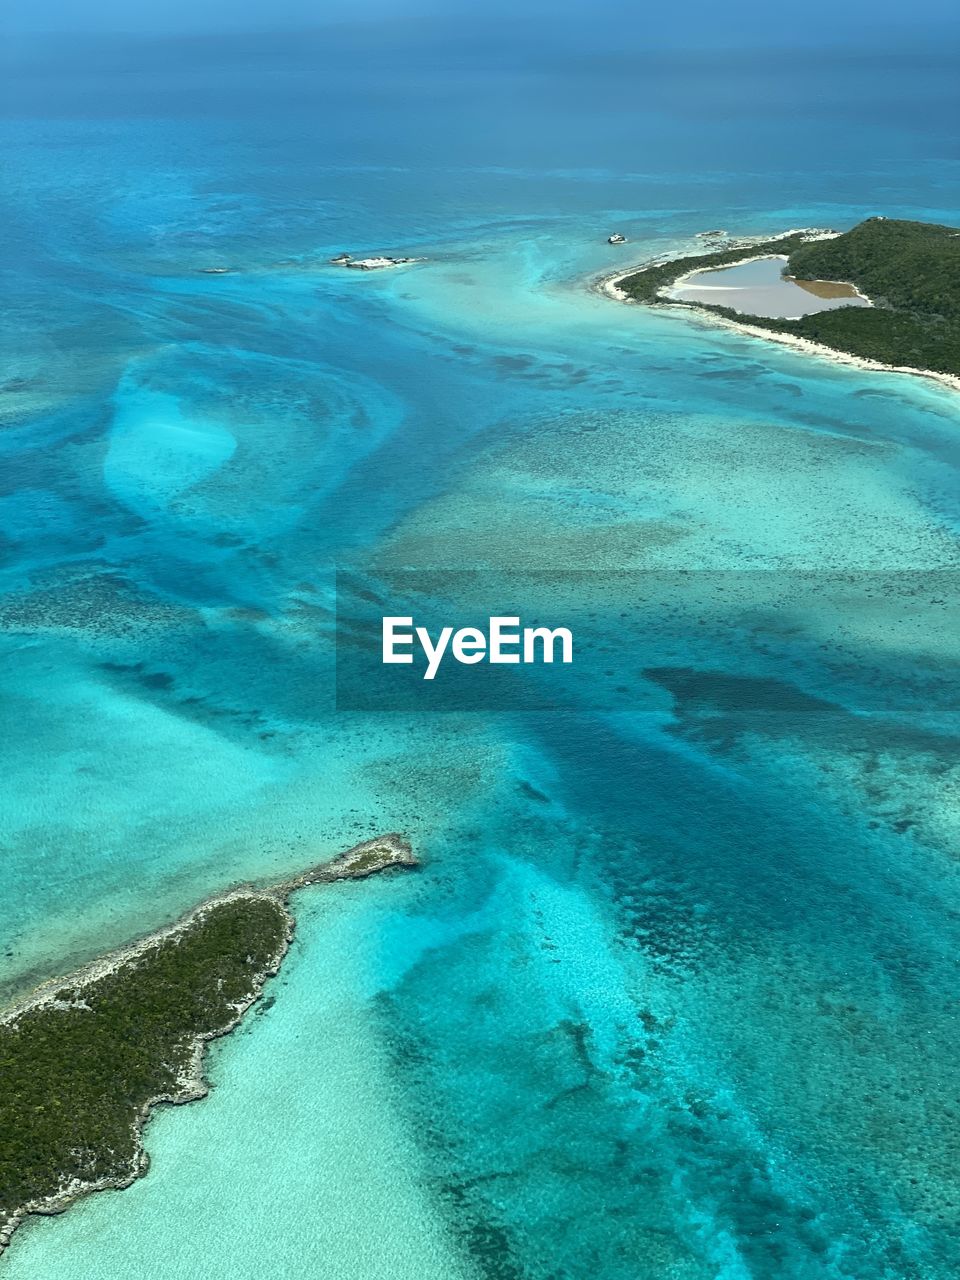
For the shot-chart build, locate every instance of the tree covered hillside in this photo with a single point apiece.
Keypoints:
(910, 266)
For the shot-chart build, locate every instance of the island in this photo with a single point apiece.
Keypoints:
(885, 294)
(85, 1058)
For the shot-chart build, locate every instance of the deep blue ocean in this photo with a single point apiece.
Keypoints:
(674, 994)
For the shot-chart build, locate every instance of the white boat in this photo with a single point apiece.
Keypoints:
(616, 238)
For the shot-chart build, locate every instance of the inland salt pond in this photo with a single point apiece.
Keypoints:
(760, 288)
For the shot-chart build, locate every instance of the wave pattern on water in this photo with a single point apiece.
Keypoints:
(673, 995)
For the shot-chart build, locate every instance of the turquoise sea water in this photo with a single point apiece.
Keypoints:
(674, 994)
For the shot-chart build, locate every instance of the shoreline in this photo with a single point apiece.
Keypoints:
(361, 860)
(608, 283)
(608, 286)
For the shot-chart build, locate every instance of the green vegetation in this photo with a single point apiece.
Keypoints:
(371, 860)
(909, 270)
(912, 267)
(644, 286)
(76, 1075)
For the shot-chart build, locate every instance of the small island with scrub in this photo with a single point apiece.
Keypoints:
(885, 294)
(84, 1059)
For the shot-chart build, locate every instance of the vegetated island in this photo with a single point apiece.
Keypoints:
(910, 272)
(83, 1059)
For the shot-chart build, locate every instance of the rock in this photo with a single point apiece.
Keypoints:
(378, 264)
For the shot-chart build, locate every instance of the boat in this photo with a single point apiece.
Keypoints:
(616, 238)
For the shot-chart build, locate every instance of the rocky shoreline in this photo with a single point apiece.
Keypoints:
(609, 286)
(358, 862)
